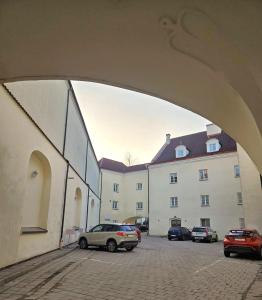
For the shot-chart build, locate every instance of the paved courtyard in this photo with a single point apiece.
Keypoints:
(156, 269)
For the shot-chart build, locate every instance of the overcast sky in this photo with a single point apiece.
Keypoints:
(121, 121)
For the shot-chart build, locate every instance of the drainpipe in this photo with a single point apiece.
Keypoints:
(64, 206)
(148, 187)
(66, 120)
(101, 186)
(87, 206)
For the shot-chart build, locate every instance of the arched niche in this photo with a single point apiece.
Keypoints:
(36, 203)
(78, 206)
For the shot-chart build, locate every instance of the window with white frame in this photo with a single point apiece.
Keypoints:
(213, 145)
(173, 202)
(204, 200)
(139, 186)
(115, 205)
(242, 223)
(173, 177)
(181, 151)
(239, 198)
(139, 205)
(203, 174)
(116, 187)
(237, 170)
(205, 222)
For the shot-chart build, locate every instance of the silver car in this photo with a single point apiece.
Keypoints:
(204, 234)
(111, 236)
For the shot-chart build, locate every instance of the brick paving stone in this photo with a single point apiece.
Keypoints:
(156, 269)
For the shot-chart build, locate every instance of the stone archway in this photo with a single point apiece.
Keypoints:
(199, 55)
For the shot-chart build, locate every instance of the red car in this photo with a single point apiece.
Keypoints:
(137, 230)
(243, 241)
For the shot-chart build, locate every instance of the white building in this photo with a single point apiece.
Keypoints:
(49, 175)
(199, 179)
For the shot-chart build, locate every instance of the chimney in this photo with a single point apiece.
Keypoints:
(213, 129)
(168, 135)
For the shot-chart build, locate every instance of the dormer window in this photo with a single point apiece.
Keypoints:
(181, 151)
(213, 145)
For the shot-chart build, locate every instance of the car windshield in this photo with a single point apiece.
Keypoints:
(126, 228)
(199, 229)
(175, 229)
(241, 233)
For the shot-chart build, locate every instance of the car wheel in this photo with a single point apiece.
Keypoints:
(210, 240)
(216, 239)
(111, 246)
(183, 238)
(129, 249)
(169, 239)
(193, 240)
(83, 244)
(226, 253)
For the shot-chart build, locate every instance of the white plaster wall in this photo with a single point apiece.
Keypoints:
(92, 170)
(17, 141)
(76, 139)
(252, 190)
(45, 101)
(108, 195)
(222, 188)
(70, 235)
(131, 195)
(93, 211)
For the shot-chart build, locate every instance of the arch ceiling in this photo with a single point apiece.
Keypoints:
(202, 55)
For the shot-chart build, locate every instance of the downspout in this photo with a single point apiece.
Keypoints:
(67, 105)
(87, 206)
(101, 187)
(64, 206)
(148, 189)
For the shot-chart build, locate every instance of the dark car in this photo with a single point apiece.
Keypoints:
(243, 241)
(179, 233)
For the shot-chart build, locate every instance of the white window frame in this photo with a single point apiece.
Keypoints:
(139, 186)
(205, 222)
(213, 145)
(173, 178)
(173, 202)
(239, 198)
(237, 171)
(139, 206)
(115, 205)
(203, 174)
(116, 187)
(181, 151)
(205, 200)
(242, 223)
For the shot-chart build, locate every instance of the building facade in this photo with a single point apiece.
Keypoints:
(200, 179)
(49, 175)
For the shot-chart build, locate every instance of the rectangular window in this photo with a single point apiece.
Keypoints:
(237, 170)
(173, 177)
(203, 175)
(239, 198)
(139, 205)
(205, 222)
(173, 202)
(116, 187)
(242, 223)
(139, 186)
(212, 147)
(204, 200)
(114, 205)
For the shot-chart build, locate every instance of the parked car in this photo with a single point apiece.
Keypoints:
(137, 230)
(204, 234)
(179, 233)
(111, 236)
(243, 241)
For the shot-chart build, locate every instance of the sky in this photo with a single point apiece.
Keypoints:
(121, 121)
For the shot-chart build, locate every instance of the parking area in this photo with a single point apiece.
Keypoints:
(156, 269)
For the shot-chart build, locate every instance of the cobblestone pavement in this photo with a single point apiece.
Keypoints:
(156, 269)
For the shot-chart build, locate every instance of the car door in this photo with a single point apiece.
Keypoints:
(95, 235)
